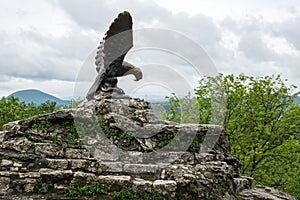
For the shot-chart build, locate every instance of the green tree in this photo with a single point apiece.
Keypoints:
(47, 107)
(261, 121)
(75, 102)
(11, 109)
(182, 109)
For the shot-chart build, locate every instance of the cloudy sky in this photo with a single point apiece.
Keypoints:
(48, 44)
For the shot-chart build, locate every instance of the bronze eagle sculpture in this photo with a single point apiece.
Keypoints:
(109, 60)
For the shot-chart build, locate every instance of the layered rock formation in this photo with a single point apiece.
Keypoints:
(118, 149)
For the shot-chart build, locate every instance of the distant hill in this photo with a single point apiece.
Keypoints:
(297, 100)
(38, 97)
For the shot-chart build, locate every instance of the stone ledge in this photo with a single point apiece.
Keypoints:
(263, 192)
(30, 175)
(141, 168)
(113, 167)
(77, 153)
(46, 149)
(115, 183)
(56, 173)
(242, 183)
(82, 178)
(21, 145)
(141, 185)
(57, 163)
(166, 187)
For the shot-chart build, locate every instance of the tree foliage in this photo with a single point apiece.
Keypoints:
(11, 109)
(261, 121)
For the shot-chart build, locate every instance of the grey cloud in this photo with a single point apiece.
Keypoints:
(4, 78)
(242, 26)
(290, 30)
(253, 46)
(44, 58)
(199, 28)
(92, 14)
(73, 45)
(98, 14)
(257, 58)
(253, 29)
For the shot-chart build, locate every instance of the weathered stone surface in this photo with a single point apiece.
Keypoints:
(115, 183)
(4, 185)
(1, 136)
(115, 167)
(131, 157)
(59, 186)
(265, 193)
(57, 163)
(141, 185)
(106, 152)
(48, 150)
(166, 187)
(242, 182)
(42, 170)
(77, 153)
(57, 174)
(215, 175)
(53, 155)
(21, 145)
(77, 164)
(30, 184)
(16, 164)
(141, 169)
(30, 175)
(11, 129)
(9, 174)
(6, 163)
(81, 178)
(170, 157)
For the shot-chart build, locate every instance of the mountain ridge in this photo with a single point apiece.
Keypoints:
(38, 97)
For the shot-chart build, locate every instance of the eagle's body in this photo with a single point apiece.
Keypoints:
(109, 59)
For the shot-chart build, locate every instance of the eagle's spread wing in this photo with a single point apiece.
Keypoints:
(112, 49)
(116, 43)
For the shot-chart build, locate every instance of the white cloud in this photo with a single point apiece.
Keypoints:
(271, 11)
(281, 45)
(263, 48)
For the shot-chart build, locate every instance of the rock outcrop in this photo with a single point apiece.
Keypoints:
(263, 192)
(119, 149)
